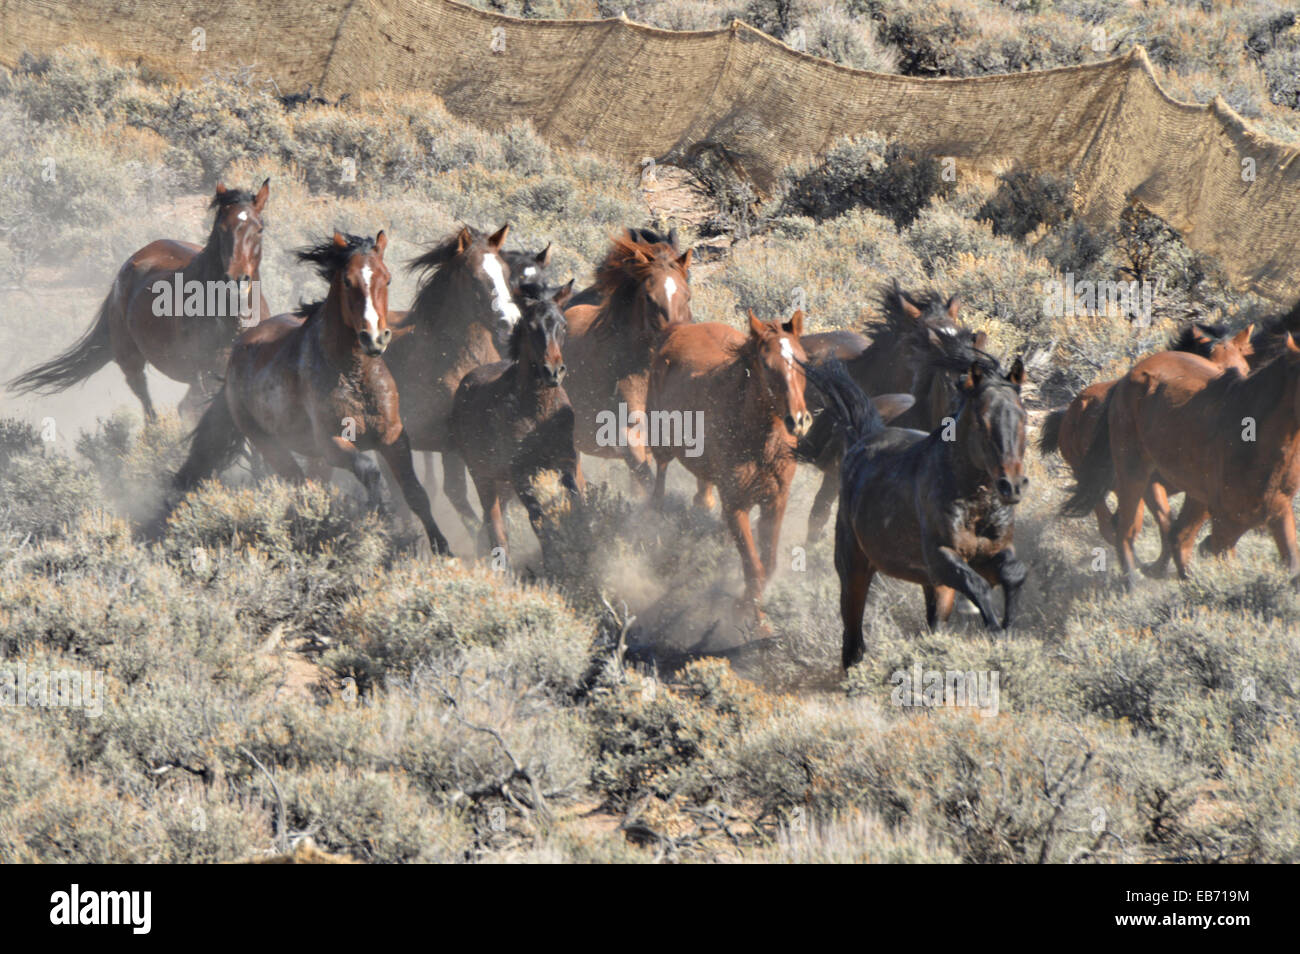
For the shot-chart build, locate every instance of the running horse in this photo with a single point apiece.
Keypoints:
(464, 311)
(748, 392)
(1070, 430)
(922, 508)
(644, 290)
(512, 421)
(1231, 442)
(216, 288)
(315, 383)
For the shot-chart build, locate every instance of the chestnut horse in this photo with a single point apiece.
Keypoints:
(903, 356)
(511, 420)
(1069, 431)
(917, 507)
(1230, 442)
(176, 306)
(318, 385)
(747, 391)
(463, 310)
(644, 290)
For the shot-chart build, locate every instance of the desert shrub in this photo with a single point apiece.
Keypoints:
(671, 742)
(42, 494)
(864, 172)
(1026, 200)
(412, 617)
(853, 838)
(69, 81)
(135, 465)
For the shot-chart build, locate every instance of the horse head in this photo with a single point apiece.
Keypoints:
(774, 355)
(354, 267)
(538, 339)
(991, 425)
(470, 274)
(237, 230)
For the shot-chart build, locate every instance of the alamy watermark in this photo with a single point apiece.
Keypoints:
(178, 298)
(1080, 298)
(946, 688)
(683, 429)
(52, 689)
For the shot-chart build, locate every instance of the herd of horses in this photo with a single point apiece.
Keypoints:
(919, 432)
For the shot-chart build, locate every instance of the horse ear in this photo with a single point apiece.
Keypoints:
(1242, 338)
(981, 340)
(684, 260)
(795, 324)
(1017, 373)
(381, 241)
(339, 240)
(954, 305)
(221, 188)
(906, 304)
(1290, 344)
(498, 237)
(756, 328)
(970, 381)
(259, 201)
(544, 256)
(563, 295)
(464, 239)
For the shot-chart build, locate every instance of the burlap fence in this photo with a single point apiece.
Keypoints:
(630, 91)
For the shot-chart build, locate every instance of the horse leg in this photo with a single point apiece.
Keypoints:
(1106, 523)
(821, 508)
(1223, 537)
(1189, 522)
(637, 459)
(397, 456)
(455, 486)
(661, 481)
(277, 457)
(738, 524)
(139, 386)
(704, 498)
(1011, 572)
(947, 568)
(1282, 525)
(1128, 523)
(939, 602)
(342, 453)
(855, 573)
(1157, 499)
(770, 516)
(430, 477)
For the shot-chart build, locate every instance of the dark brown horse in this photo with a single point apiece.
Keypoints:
(730, 407)
(175, 305)
(463, 312)
(318, 386)
(917, 507)
(1070, 430)
(903, 356)
(1230, 442)
(644, 290)
(512, 421)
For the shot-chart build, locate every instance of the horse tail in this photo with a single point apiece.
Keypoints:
(851, 411)
(214, 444)
(1095, 474)
(1049, 438)
(91, 352)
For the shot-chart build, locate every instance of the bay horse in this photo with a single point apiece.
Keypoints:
(511, 420)
(463, 311)
(748, 393)
(917, 507)
(1070, 430)
(175, 305)
(524, 266)
(1231, 442)
(592, 294)
(904, 356)
(315, 383)
(644, 291)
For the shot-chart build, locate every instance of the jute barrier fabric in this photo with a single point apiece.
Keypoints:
(629, 91)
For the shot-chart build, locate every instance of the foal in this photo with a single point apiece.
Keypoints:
(917, 507)
(511, 420)
(749, 391)
(318, 386)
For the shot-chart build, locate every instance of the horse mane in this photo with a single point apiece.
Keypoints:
(894, 321)
(231, 197)
(623, 269)
(443, 252)
(1203, 344)
(329, 257)
(1270, 340)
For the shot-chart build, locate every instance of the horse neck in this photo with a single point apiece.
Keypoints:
(968, 477)
(205, 266)
(337, 342)
(445, 305)
(757, 413)
(534, 399)
(1269, 397)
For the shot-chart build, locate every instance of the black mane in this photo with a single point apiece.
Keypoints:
(330, 258)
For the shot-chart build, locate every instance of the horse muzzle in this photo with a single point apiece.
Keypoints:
(1012, 490)
(375, 344)
(798, 423)
(553, 377)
